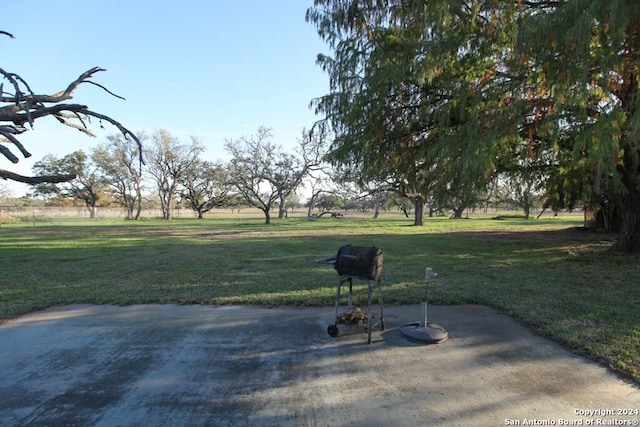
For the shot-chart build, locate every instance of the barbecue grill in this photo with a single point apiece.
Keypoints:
(364, 264)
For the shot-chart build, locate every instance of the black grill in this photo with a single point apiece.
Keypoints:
(359, 261)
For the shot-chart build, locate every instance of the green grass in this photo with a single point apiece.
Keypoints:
(526, 268)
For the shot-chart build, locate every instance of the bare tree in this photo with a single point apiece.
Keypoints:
(205, 186)
(5, 192)
(168, 161)
(87, 187)
(20, 107)
(288, 171)
(320, 180)
(249, 168)
(264, 174)
(118, 162)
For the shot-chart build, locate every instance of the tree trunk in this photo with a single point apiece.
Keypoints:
(166, 212)
(457, 212)
(138, 202)
(418, 210)
(282, 209)
(138, 210)
(267, 216)
(165, 205)
(629, 236)
(312, 202)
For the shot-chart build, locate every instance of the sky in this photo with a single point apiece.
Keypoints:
(214, 69)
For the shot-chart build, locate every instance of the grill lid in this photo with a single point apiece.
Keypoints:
(359, 261)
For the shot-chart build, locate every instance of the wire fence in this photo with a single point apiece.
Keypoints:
(22, 214)
(54, 215)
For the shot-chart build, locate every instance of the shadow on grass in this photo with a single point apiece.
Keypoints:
(561, 282)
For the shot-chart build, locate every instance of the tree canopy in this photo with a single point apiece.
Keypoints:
(118, 161)
(169, 161)
(439, 97)
(87, 187)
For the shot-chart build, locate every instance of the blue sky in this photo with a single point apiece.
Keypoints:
(215, 69)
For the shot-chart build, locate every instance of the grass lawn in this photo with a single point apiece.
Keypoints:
(557, 279)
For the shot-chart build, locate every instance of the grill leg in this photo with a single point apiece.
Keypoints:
(333, 329)
(369, 316)
(340, 280)
(379, 284)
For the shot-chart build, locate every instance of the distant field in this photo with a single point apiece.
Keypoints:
(547, 272)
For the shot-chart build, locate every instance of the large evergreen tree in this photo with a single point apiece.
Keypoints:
(411, 94)
(440, 95)
(588, 52)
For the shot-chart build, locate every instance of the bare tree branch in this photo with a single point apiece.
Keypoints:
(23, 106)
(7, 133)
(8, 154)
(5, 174)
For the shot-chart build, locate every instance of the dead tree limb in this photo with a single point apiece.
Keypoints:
(20, 106)
(32, 180)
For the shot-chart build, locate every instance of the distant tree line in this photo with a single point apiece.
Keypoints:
(260, 174)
